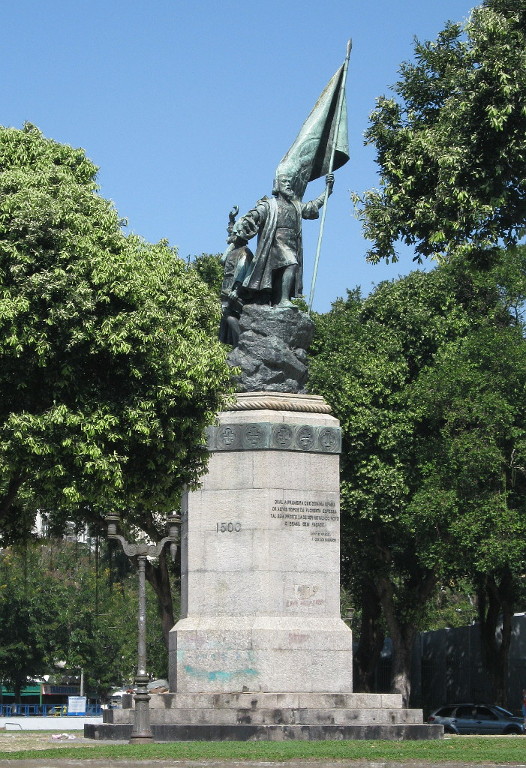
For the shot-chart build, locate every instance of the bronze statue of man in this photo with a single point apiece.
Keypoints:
(275, 274)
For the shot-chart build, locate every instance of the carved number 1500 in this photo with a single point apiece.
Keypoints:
(228, 527)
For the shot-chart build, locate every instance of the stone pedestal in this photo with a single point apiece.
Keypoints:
(260, 651)
(260, 555)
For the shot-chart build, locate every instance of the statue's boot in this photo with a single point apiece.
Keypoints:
(287, 281)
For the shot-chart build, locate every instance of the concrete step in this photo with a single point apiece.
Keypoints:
(209, 732)
(270, 716)
(277, 716)
(263, 700)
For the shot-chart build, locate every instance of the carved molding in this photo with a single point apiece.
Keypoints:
(279, 401)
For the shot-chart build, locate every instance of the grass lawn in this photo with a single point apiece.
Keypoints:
(502, 750)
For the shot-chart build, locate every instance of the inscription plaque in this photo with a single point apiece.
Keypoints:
(315, 515)
(305, 596)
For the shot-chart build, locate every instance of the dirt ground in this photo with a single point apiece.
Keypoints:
(13, 741)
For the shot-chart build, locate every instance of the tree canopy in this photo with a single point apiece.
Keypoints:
(450, 144)
(428, 378)
(109, 364)
(61, 604)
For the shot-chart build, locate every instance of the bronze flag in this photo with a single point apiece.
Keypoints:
(309, 156)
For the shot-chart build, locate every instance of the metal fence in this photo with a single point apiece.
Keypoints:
(44, 710)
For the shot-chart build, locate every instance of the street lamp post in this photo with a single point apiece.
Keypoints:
(142, 732)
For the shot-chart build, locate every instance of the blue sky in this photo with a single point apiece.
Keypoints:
(188, 106)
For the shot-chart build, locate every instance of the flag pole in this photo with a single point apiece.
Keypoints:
(331, 163)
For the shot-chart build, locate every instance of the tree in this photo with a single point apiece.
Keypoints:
(366, 353)
(209, 268)
(474, 477)
(450, 148)
(391, 365)
(26, 647)
(110, 367)
(450, 145)
(58, 604)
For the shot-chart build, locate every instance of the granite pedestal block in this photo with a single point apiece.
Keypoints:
(260, 555)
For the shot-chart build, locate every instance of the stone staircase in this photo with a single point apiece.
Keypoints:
(270, 716)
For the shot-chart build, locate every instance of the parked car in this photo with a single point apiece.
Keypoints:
(58, 711)
(476, 718)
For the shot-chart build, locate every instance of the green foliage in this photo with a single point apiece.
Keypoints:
(453, 605)
(450, 145)
(110, 368)
(210, 269)
(473, 455)
(427, 376)
(25, 648)
(57, 603)
(451, 153)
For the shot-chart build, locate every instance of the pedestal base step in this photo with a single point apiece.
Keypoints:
(269, 717)
(277, 716)
(255, 700)
(393, 732)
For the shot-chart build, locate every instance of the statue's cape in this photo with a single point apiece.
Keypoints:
(309, 156)
(258, 276)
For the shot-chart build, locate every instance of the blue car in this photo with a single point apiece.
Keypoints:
(481, 719)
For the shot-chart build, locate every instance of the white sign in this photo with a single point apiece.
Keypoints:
(76, 705)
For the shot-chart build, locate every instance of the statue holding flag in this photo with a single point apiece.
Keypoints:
(265, 281)
(320, 148)
(276, 271)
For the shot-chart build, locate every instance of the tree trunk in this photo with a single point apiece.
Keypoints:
(159, 577)
(9, 497)
(17, 690)
(371, 639)
(403, 641)
(403, 630)
(496, 605)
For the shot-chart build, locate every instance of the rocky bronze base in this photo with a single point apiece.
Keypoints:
(272, 349)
